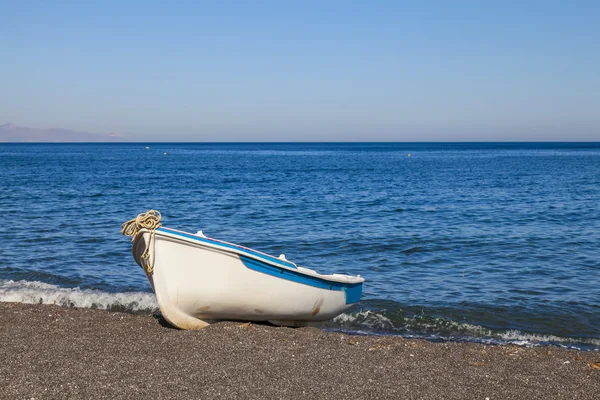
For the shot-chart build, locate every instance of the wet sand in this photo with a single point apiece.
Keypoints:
(56, 352)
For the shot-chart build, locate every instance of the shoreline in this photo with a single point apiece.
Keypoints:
(57, 352)
(370, 321)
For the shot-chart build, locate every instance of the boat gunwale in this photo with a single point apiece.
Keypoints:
(349, 280)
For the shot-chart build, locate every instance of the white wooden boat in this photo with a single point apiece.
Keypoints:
(198, 280)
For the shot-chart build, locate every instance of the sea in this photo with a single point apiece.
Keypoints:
(493, 243)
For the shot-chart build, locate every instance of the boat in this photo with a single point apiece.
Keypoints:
(199, 280)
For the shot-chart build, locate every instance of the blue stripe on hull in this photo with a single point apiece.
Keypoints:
(228, 246)
(353, 291)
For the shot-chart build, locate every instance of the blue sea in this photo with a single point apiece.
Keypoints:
(482, 242)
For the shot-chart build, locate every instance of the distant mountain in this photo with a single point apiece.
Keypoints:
(13, 133)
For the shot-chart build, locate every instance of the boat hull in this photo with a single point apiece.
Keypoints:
(197, 282)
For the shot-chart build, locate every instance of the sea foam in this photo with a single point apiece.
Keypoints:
(33, 292)
(440, 329)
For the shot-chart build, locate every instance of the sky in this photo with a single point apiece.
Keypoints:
(303, 70)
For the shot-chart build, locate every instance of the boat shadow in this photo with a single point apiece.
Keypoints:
(165, 324)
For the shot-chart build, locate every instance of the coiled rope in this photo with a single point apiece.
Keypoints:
(150, 220)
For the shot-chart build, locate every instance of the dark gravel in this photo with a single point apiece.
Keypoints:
(50, 352)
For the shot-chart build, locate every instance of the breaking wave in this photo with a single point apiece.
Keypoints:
(377, 321)
(440, 329)
(33, 292)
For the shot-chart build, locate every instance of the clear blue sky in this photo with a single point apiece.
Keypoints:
(300, 70)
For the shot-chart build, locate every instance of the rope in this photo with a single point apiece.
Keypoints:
(150, 220)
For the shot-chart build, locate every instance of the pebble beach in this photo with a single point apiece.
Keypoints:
(71, 353)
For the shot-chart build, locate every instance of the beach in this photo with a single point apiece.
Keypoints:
(58, 352)
(416, 181)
